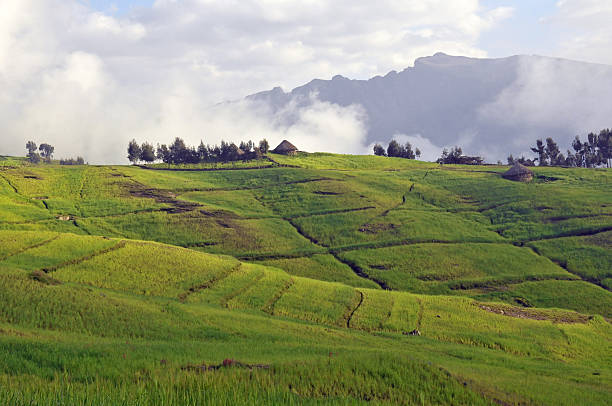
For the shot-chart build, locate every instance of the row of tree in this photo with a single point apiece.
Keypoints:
(595, 151)
(46, 152)
(395, 149)
(179, 153)
(455, 156)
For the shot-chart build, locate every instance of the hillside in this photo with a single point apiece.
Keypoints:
(127, 285)
(490, 107)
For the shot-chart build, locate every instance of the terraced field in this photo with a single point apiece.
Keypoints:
(319, 279)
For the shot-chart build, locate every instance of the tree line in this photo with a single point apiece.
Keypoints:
(395, 149)
(46, 154)
(180, 153)
(595, 151)
(455, 156)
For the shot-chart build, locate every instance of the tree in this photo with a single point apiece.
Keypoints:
(264, 147)
(571, 159)
(511, 160)
(203, 153)
(147, 153)
(134, 151)
(579, 156)
(553, 154)
(34, 157)
(32, 154)
(524, 161)
(451, 157)
(31, 147)
(417, 152)
(215, 153)
(246, 147)
(540, 149)
(604, 146)
(379, 150)
(46, 151)
(407, 151)
(178, 151)
(394, 149)
(163, 153)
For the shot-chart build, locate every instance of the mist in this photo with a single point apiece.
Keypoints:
(87, 82)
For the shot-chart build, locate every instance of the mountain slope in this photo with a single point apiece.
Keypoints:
(490, 106)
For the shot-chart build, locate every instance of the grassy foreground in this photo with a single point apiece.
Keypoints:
(300, 283)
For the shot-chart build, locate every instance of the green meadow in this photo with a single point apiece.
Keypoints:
(317, 279)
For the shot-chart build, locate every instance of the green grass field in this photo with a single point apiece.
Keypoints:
(300, 282)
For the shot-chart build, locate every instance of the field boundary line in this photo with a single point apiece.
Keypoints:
(11, 185)
(360, 272)
(31, 247)
(273, 256)
(217, 278)
(327, 212)
(269, 307)
(228, 298)
(583, 233)
(563, 265)
(420, 313)
(350, 316)
(233, 189)
(76, 261)
(306, 236)
(399, 243)
(492, 284)
(246, 168)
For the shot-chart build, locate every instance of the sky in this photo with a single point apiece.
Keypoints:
(88, 75)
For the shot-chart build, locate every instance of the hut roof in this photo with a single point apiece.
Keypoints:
(518, 171)
(285, 146)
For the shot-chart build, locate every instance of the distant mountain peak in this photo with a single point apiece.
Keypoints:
(489, 106)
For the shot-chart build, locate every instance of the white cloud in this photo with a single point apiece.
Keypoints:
(584, 29)
(553, 94)
(429, 151)
(89, 82)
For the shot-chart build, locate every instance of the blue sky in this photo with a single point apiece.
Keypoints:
(526, 32)
(119, 7)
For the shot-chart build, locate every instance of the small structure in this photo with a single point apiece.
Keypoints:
(285, 148)
(519, 173)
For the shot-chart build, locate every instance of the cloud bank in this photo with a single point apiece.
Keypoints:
(88, 82)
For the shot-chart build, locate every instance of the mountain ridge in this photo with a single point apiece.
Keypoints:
(492, 106)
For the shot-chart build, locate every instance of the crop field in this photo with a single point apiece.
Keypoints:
(441, 268)
(323, 267)
(314, 279)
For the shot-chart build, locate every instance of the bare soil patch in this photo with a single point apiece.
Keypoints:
(227, 363)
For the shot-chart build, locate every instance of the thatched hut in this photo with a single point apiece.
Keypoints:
(285, 148)
(519, 173)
